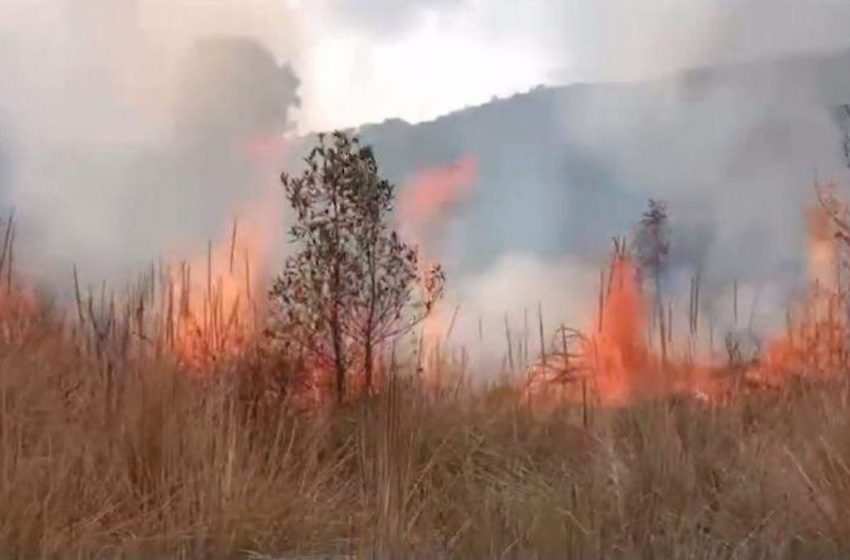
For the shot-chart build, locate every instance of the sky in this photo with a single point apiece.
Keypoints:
(368, 60)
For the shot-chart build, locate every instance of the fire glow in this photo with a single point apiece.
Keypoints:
(222, 293)
(212, 305)
(429, 198)
(425, 204)
(615, 362)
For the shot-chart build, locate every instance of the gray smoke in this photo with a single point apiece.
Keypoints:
(733, 150)
(114, 154)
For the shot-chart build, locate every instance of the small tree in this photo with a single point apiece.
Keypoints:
(351, 286)
(652, 244)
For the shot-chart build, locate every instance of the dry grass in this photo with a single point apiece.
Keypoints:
(110, 454)
(153, 426)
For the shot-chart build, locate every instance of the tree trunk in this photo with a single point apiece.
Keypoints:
(369, 341)
(368, 364)
(659, 306)
(339, 360)
(336, 328)
(336, 337)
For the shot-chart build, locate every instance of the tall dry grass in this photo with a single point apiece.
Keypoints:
(153, 425)
(126, 455)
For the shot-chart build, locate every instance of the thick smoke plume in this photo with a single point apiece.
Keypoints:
(122, 144)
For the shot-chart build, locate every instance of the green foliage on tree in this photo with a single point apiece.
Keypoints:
(353, 284)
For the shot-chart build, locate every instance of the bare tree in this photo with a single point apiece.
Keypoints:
(353, 283)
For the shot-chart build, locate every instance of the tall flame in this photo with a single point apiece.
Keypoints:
(821, 255)
(617, 362)
(619, 355)
(222, 288)
(431, 195)
(425, 203)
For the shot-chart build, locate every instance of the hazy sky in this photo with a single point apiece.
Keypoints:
(366, 60)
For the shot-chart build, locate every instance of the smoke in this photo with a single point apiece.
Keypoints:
(127, 140)
(518, 294)
(386, 17)
(733, 148)
(233, 87)
(734, 151)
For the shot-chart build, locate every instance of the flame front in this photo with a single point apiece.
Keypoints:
(822, 249)
(427, 200)
(425, 204)
(222, 291)
(618, 352)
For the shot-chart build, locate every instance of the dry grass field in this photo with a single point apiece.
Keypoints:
(159, 427)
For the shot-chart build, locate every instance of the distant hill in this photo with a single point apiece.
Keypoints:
(732, 149)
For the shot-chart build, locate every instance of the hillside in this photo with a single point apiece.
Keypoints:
(562, 169)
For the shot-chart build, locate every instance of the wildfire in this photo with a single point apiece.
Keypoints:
(222, 290)
(617, 365)
(822, 249)
(618, 350)
(427, 200)
(424, 204)
(209, 305)
(814, 341)
(614, 363)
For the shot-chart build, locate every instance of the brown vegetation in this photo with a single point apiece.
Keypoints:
(163, 424)
(134, 454)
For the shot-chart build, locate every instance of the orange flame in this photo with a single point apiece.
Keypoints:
(613, 364)
(425, 202)
(618, 351)
(810, 341)
(222, 289)
(427, 199)
(821, 255)
(619, 364)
